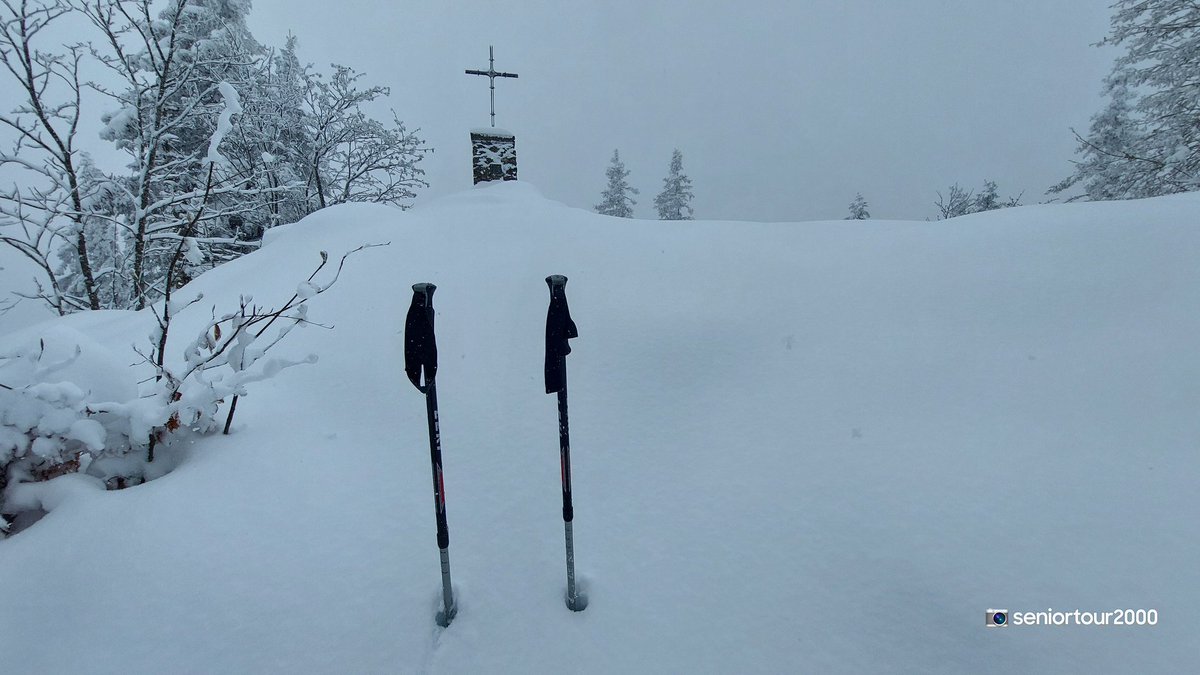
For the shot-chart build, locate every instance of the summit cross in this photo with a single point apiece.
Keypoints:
(491, 75)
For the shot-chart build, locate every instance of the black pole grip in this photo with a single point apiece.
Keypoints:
(559, 329)
(420, 345)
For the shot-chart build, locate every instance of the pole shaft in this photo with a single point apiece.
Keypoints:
(447, 591)
(564, 447)
(564, 452)
(439, 498)
(435, 454)
(568, 529)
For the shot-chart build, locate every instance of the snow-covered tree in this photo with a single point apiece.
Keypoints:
(957, 202)
(353, 157)
(274, 133)
(988, 199)
(107, 204)
(47, 209)
(215, 126)
(617, 199)
(960, 201)
(1107, 170)
(167, 108)
(675, 200)
(1146, 141)
(858, 208)
(231, 56)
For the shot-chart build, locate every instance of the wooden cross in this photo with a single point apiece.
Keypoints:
(491, 75)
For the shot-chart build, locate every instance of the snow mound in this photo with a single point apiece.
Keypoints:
(815, 447)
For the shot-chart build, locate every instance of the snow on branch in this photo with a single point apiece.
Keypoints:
(233, 106)
(232, 345)
(52, 423)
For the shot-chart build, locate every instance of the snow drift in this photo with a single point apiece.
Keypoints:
(816, 447)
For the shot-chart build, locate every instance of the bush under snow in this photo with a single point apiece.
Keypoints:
(68, 404)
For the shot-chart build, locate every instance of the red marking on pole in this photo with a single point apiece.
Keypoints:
(441, 488)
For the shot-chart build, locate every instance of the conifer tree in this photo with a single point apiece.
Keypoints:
(617, 199)
(675, 200)
(1145, 142)
(858, 208)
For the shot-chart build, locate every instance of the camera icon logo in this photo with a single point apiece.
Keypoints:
(996, 618)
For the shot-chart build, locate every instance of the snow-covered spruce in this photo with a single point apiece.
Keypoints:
(859, 209)
(617, 199)
(675, 200)
(1145, 141)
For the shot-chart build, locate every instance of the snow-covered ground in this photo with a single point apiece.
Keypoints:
(815, 447)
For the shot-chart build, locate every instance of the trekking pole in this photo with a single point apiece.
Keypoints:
(559, 329)
(420, 353)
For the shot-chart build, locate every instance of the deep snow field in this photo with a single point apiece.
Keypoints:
(815, 447)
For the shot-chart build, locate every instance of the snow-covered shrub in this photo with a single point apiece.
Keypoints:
(47, 426)
(220, 362)
(225, 357)
(67, 404)
(53, 389)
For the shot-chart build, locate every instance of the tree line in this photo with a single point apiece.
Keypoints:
(673, 202)
(1145, 141)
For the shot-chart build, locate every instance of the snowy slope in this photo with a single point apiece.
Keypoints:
(817, 447)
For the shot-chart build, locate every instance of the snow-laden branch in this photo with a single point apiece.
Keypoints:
(233, 106)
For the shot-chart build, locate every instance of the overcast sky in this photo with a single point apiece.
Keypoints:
(783, 110)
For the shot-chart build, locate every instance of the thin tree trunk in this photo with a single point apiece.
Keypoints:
(85, 268)
(320, 186)
(139, 240)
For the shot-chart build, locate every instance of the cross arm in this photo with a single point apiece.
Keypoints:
(490, 73)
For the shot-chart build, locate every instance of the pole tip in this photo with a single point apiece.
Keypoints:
(556, 281)
(578, 603)
(444, 617)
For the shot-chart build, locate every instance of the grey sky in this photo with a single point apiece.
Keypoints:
(783, 110)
